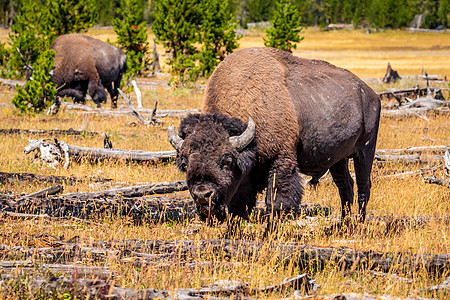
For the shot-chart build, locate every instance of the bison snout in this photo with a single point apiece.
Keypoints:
(204, 196)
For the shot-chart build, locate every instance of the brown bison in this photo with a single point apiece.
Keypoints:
(303, 116)
(82, 63)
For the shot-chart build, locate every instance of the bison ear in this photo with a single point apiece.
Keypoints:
(241, 141)
(174, 138)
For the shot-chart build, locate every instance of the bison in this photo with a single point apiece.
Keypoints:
(304, 116)
(82, 63)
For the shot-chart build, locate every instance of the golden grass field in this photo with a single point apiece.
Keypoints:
(364, 54)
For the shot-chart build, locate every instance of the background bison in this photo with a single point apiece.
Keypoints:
(82, 63)
(310, 116)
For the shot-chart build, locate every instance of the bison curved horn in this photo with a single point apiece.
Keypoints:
(174, 138)
(241, 141)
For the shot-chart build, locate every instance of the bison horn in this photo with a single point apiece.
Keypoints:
(241, 141)
(174, 138)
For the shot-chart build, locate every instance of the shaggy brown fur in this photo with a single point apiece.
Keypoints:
(82, 63)
(310, 117)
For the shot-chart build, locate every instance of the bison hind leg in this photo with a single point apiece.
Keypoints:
(363, 167)
(344, 182)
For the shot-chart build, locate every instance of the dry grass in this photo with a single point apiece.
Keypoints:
(367, 56)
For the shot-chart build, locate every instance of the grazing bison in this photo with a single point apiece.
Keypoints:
(82, 63)
(303, 116)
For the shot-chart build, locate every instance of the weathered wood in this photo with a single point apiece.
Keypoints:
(408, 159)
(129, 155)
(12, 83)
(134, 191)
(29, 177)
(411, 150)
(105, 154)
(435, 180)
(414, 112)
(414, 173)
(134, 113)
(129, 202)
(32, 265)
(391, 75)
(181, 113)
(303, 255)
(41, 132)
(56, 189)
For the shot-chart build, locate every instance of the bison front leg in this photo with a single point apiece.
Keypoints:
(77, 95)
(285, 186)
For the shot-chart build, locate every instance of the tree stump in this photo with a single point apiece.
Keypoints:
(391, 75)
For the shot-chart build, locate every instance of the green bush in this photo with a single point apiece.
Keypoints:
(39, 92)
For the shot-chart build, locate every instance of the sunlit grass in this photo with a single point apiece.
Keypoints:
(364, 54)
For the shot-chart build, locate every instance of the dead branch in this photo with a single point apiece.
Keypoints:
(134, 112)
(29, 177)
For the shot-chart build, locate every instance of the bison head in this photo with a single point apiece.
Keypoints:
(217, 153)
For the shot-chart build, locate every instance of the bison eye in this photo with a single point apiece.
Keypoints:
(182, 164)
(227, 162)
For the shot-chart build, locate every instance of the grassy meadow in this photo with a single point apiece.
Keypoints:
(367, 56)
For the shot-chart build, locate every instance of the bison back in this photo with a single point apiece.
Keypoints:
(301, 105)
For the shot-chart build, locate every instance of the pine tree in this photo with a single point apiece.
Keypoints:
(175, 24)
(218, 34)
(26, 37)
(68, 16)
(132, 36)
(286, 27)
(39, 92)
(38, 23)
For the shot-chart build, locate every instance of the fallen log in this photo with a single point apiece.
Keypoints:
(41, 132)
(56, 189)
(12, 83)
(53, 179)
(31, 266)
(422, 171)
(435, 180)
(411, 150)
(126, 112)
(103, 154)
(129, 202)
(105, 289)
(414, 112)
(300, 254)
(407, 159)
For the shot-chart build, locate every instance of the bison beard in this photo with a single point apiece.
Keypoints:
(309, 117)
